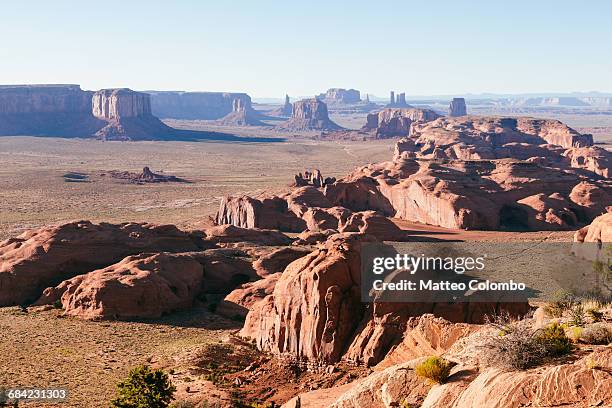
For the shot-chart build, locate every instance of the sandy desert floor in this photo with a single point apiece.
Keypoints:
(34, 191)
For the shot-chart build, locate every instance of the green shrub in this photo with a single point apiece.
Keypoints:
(577, 314)
(554, 340)
(597, 333)
(436, 369)
(561, 302)
(594, 314)
(144, 388)
(517, 349)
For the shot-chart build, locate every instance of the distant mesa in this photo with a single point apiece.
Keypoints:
(399, 102)
(340, 96)
(195, 105)
(457, 107)
(284, 111)
(68, 111)
(146, 176)
(47, 110)
(310, 114)
(242, 114)
(128, 115)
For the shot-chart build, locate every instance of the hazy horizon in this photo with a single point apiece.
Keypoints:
(273, 48)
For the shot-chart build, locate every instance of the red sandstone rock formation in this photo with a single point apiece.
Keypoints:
(392, 122)
(140, 286)
(600, 230)
(241, 300)
(146, 176)
(457, 107)
(128, 115)
(568, 383)
(313, 178)
(593, 158)
(309, 114)
(276, 261)
(469, 172)
(315, 312)
(41, 258)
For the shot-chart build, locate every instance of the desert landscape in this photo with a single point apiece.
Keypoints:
(184, 226)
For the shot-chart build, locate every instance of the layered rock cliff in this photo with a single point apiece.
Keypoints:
(46, 110)
(310, 114)
(195, 105)
(128, 115)
(68, 111)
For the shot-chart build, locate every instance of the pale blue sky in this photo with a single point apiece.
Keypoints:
(267, 48)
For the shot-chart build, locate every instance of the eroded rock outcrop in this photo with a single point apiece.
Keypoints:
(146, 176)
(310, 114)
(45, 257)
(128, 115)
(599, 231)
(140, 286)
(315, 314)
(312, 178)
(392, 122)
(570, 383)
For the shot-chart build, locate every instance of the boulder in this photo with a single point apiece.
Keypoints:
(277, 260)
(590, 200)
(600, 230)
(41, 258)
(140, 286)
(372, 223)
